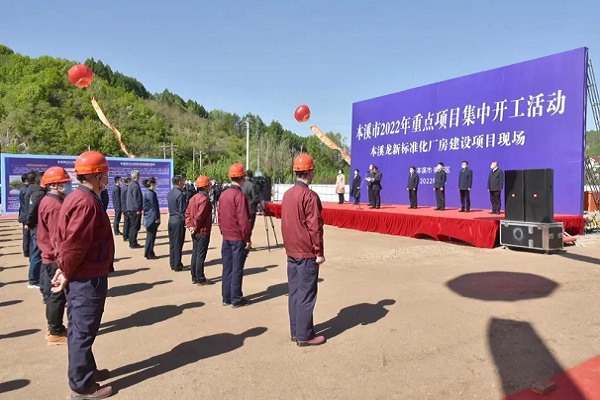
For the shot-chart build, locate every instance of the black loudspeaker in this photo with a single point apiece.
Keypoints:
(265, 187)
(514, 195)
(539, 195)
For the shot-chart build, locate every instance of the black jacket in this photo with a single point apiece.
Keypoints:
(440, 179)
(124, 198)
(355, 190)
(377, 177)
(176, 200)
(104, 198)
(495, 180)
(33, 196)
(465, 179)
(252, 192)
(134, 197)
(22, 204)
(116, 198)
(413, 181)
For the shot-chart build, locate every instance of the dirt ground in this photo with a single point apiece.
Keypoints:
(405, 319)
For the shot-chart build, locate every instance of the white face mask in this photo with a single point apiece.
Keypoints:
(464, 166)
(492, 166)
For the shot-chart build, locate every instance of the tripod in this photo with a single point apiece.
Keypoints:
(268, 214)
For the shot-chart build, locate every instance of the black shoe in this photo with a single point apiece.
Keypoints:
(118, 233)
(437, 209)
(461, 210)
(152, 258)
(225, 303)
(194, 281)
(177, 270)
(125, 239)
(242, 303)
(26, 255)
(205, 282)
(467, 210)
(135, 246)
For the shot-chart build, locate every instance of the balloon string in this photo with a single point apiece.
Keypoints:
(330, 143)
(113, 128)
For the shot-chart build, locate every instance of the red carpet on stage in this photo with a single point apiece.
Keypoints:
(477, 227)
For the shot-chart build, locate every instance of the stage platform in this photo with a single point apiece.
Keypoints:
(478, 227)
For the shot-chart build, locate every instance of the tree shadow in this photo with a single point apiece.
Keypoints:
(181, 355)
(121, 259)
(353, 316)
(13, 385)
(2, 284)
(126, 272)
(147, 317)
(10, 303)
(502, 286)
(13, 267)
(522, 359)
(10, 254)
(216, 261)
(16, 334)
(126, 290)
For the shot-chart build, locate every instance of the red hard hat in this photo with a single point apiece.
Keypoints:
(90, 162)
(237, 171)
(304, 162)
(55, 175)
(202, 181)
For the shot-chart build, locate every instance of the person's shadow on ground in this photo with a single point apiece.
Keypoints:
(147, 317)
(180, 356)
(352, 316)
(126, 290)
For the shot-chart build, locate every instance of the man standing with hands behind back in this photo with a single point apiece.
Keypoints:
(439, 185)
(494, 186)
(465, 182)
(86, 250)
(412, 186)
(135, 206)
(302, 230)
(177, 202)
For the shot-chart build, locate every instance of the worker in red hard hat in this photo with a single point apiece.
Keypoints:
(86, 249)
(236, 229)
(57, 182)
(198, 221)
(302, 230)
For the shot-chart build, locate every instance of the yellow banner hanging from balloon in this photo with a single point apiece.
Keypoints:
(113, 128)
(330, 143)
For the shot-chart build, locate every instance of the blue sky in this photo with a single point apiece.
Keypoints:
(267, 57)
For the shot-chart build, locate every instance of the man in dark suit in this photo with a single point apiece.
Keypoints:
(104, 198)
(376, 187)
(439, 185)
(176, 200)
(116, 198)
(135, 207)
(23, 209)
(494, 186)
(370, 185)
(126, 216)
(355, 190)
(465, 182)
(413, 186)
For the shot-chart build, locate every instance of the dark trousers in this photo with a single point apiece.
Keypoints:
(376, 197)
(35, 259)
(357, 197)
(303, 274)
(55, 302)
(26, 241)
(126, 225)
(234, 255)
(176, 230)
(495, 200)
(150, 239)
(199, 251)
(465, 200)
(252, 219)
(117, 221)
(341, 198)
(135, 223)
(85, 305)
(412, 196)
(371, 202)
(440, 198)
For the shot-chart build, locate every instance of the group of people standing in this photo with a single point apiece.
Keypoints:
(495, 184)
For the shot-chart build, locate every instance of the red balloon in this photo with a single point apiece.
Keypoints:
(302, 113)
(81, 75)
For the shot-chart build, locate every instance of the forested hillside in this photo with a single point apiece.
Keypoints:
(42, 113)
